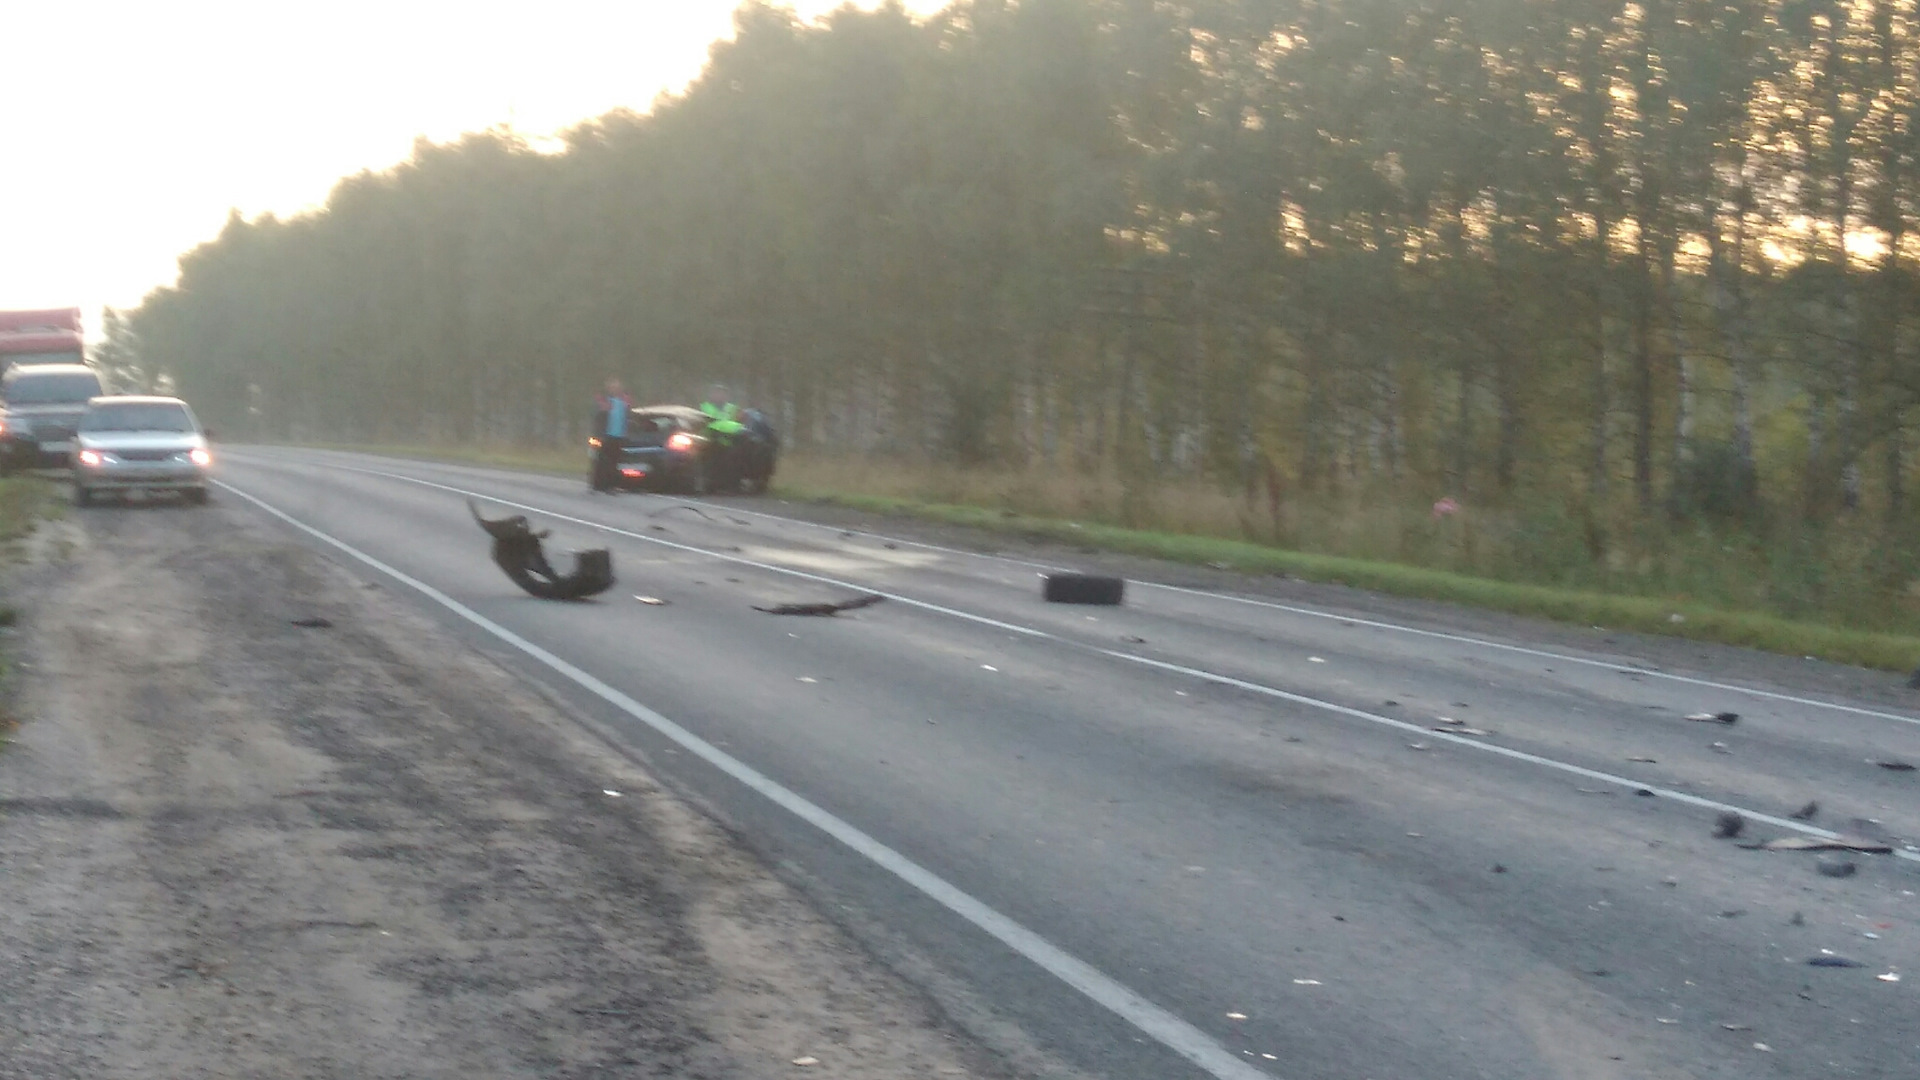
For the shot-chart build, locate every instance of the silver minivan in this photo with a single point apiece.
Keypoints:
(140, 444)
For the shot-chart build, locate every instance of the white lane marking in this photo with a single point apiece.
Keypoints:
(1165, 1028)
(1180, 669)
(1376, 624)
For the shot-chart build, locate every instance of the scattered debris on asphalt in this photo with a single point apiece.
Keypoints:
(610, 793)
(313, 622)
(1896, 766)
(1721, 748)
(1763, 1048)
(1714, 717)
(1799, 919)
(1499, 868)
(1889, 977)
(1827, 959)
(1646, 793)
(825, 610)
(517, 551)
(1594, 791)
(1451, 720)
(1082, 589)
(1836, 868)
(1236, 1016)
(687, 506)
(1418, 746)
(1640, 759)
(651, 601)
(1806, 812)
(1306, 982)
(1737, 1027)
(1728, 825)
(1733, 913)
(1132, 640)
(807, 1060)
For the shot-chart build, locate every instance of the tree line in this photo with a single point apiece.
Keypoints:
(1640, 260)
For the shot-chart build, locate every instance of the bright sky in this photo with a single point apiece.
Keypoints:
(128, 128)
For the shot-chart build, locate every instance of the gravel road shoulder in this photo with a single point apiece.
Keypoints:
(231, 846)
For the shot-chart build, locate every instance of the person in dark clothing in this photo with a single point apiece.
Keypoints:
(612, 412)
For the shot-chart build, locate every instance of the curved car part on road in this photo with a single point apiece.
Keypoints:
(517, 550)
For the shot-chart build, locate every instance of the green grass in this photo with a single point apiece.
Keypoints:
(1651, 614)
(24, 500)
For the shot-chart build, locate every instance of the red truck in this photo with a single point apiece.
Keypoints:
(44, 385)
(40, 337)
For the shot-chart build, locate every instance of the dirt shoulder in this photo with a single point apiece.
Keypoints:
(230, 846)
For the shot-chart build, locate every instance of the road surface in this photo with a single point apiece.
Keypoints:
(1206, 833)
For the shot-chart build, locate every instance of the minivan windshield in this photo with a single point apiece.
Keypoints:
(50, 388)
(139, 416)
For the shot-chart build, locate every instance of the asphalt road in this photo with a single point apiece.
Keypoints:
(1201, 834)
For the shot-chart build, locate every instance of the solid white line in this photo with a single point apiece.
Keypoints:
(1628, 666)
(1162, 1026)
(1197, 673)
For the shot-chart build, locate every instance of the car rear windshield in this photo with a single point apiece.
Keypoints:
(65, 388)
(144, 416)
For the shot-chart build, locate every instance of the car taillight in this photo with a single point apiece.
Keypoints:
(89, 457)
(595, 441)
(680, 440)
(200, 457)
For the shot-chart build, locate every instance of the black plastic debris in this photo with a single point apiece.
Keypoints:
(1728, 825)
(517, 551)
(1832, 961)
(1896, 766)
(1806, 812)
(1083, 589)
(313, 622)
(1645, 793)
(824, 610)
(1836, 868)
(1714, 717)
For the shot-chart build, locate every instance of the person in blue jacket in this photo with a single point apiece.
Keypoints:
(613, 408)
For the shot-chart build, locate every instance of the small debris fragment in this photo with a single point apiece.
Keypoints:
(651, 601)
(1642, 760)
(988, 667)
(1714, 717)
(1666, 1020)
(1806, 812)
(1728, 825)
(808, 679)
(1417, 746)
(1390, 703)
(1733, 913)
(1889, 977)
(1481, 732)
(1594, 791)
(1821, 843)
(1450, 720)
(823, 610)
(313, 622)
(1306, 982)
(1832, 961)
(1721, 748)
(1499, 868)
(1676, 618)
(1837, 868)
(1763, 1048)
(1799, 919)
(1645, 793)
(1738, 1027)
(1896, 766)
(1236, 1016)
(610, 793)
(1132, 640)
(1315, 660)
(809, 1059)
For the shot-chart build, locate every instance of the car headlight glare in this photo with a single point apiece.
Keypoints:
(90, 458)
(200, 457)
